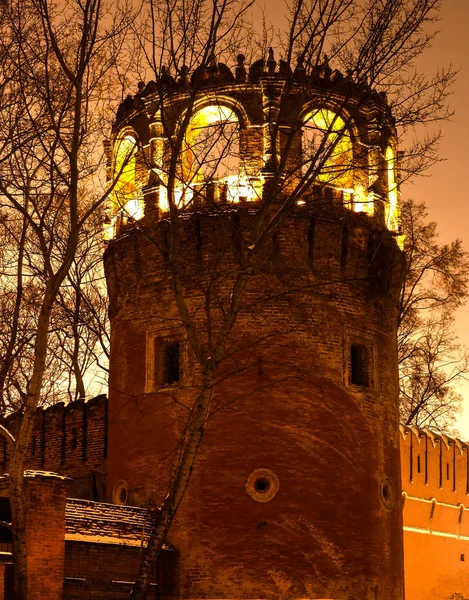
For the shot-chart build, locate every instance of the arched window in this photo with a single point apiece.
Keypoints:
(211, 158)
(327, 146)
(126, 201)
(392, 208)
(211, 149)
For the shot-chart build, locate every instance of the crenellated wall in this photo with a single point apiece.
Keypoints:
(72, 439)
(69, 439)
(435, 483)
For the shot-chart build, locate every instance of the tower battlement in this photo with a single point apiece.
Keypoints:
(434, 466)
(215, 140)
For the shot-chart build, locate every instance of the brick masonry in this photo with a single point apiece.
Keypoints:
(313, 539)
(70, 440)
(102, 552)
(45, 499)
(326, 280)
(102, 541)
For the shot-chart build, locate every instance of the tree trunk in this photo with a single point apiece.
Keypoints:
(181, 476)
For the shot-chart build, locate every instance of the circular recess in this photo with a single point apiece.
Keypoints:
(387, 493)
(120, 493)
(262, 485)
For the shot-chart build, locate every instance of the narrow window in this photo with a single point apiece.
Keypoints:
(454, 468)
(411, 463)
(359, 365)
(440, 468)
(447, 470)
(170, 362)
(163, 362)
(467, 471)
(426, 460)
(418, 463)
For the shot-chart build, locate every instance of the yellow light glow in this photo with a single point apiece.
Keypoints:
(242, 188)
(126, 202)
(392, 206)
(211, 146)
(326, 137)
(133, 209)
(363, 201)
(163, 203)
(109, 230)
(124, 171)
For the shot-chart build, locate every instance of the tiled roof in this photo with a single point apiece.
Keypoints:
(98, 522)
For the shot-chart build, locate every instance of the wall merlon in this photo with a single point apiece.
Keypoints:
(434, 465)
(70, 439)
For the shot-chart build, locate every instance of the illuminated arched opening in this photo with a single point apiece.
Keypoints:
(327, 144)
(210, 162)
(392, 205)
(211, 144)
(126, 201)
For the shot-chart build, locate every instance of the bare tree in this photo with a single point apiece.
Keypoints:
(377, 44)
(430, 358)
(57, 65)
(79, 324)
(78, 345)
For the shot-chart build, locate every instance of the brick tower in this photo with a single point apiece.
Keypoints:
(296, 489)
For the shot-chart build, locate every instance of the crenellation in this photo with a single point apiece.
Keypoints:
(69, 439)
(434, 465)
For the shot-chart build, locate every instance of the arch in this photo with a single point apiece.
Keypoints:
(327, 140)
(210, 160)
(392, 205)
(125, 195)
(223, 101)
(211, 144)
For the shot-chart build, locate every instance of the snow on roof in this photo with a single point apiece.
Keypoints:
(98, 522)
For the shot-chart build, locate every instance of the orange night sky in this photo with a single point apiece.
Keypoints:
(445, 197)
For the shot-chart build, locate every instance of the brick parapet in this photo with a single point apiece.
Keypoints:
(434, 466)
(435, 513)
(69, 439)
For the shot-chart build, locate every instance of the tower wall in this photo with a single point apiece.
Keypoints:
(295, 492)
(334, 528)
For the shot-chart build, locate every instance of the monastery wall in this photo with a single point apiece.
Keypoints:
(70, 440)
(435, 483)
